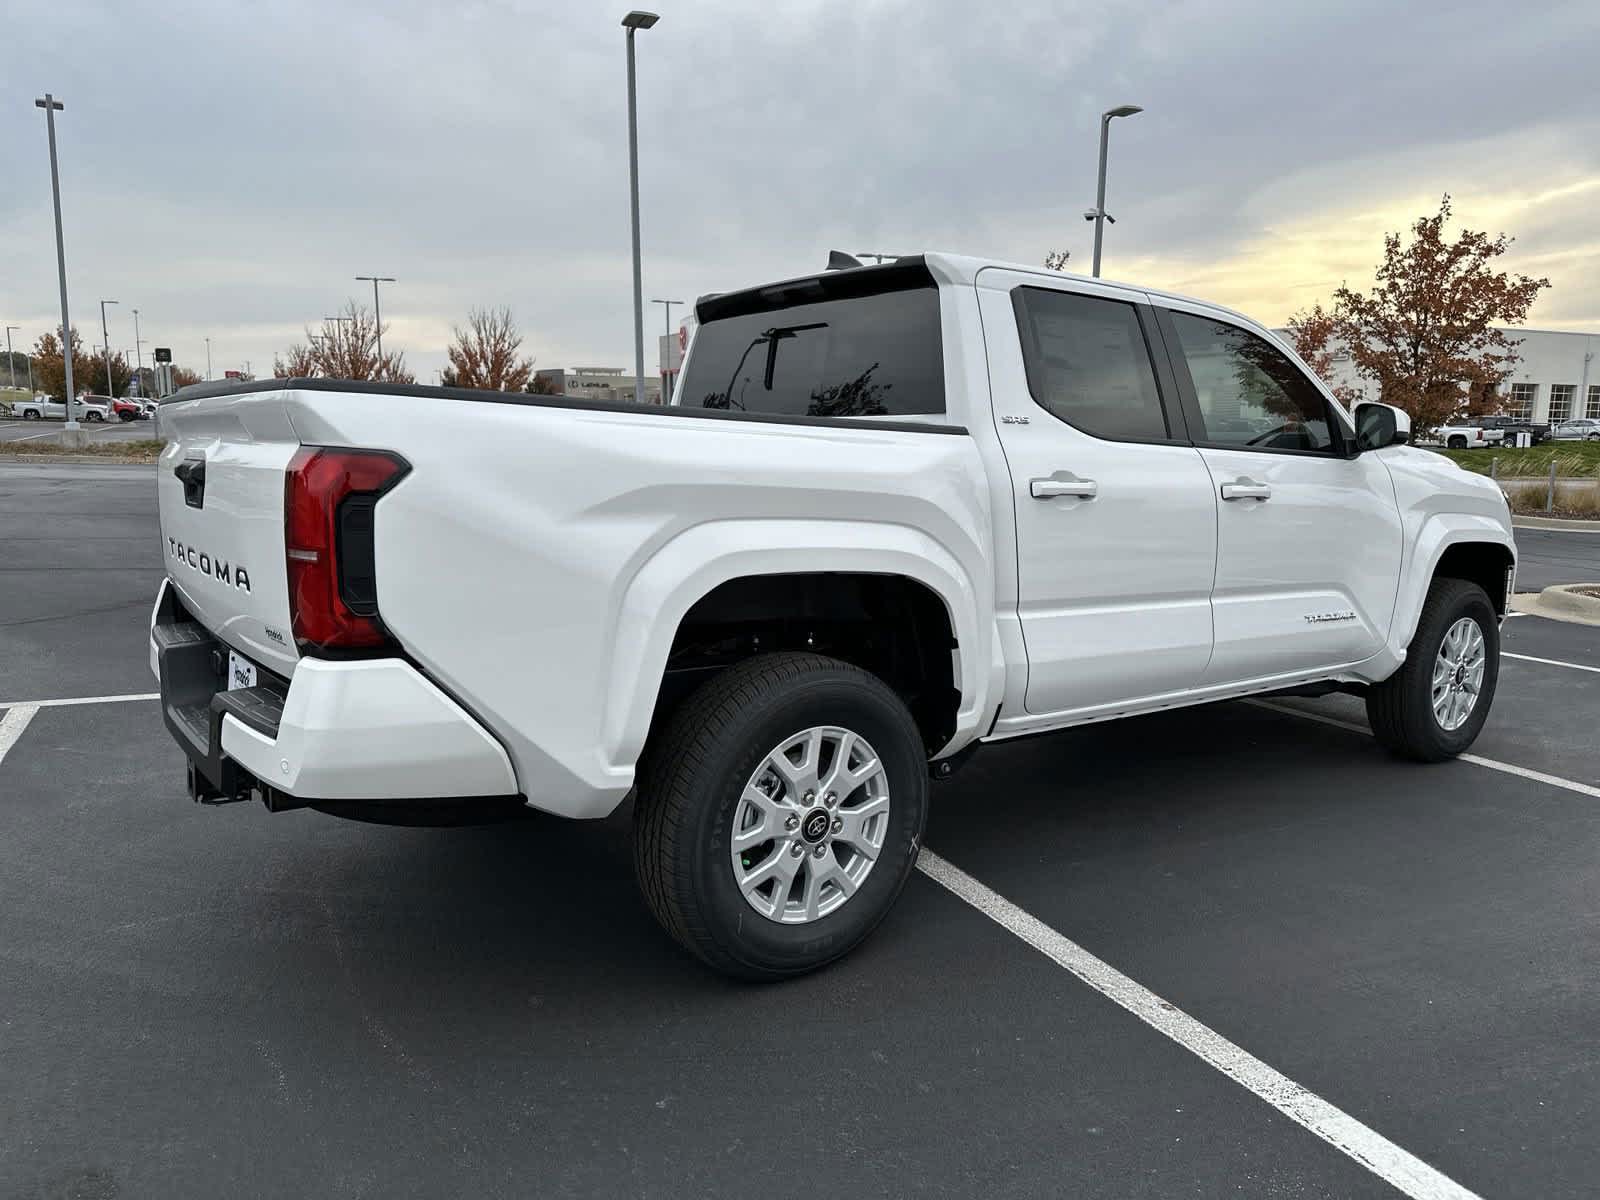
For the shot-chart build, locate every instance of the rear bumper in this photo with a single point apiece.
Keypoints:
(373, 729)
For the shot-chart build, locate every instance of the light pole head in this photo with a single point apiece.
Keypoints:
(1121, 110)
(49, 101)
(639, 20)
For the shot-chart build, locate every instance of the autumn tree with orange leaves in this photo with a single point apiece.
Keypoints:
(1427, 331)
(1314, 334)
(485, 354)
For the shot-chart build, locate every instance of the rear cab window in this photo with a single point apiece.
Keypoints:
(858, 343)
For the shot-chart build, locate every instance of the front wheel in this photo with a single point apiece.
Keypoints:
(1433, 707)
(1594, 437)
(30, 414)
(94, 416)
(1457, 442)
(779, 814)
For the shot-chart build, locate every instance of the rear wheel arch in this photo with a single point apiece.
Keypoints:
(899, 629)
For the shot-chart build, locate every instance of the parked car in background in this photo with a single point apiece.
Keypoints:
(895, 511)
(149, 409)
(1510, 427)
(123, 410)
(1465, 435)
(84, 408)
(1582, 429)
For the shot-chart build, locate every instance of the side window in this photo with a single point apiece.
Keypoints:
(1088, 364)
(1250, 395)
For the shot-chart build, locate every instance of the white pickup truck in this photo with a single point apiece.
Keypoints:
(92, 408)
(898, 512)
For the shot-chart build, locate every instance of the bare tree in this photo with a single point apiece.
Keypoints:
(485, 353)
(346, 348)
(300, 362)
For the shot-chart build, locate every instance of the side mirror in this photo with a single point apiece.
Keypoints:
(1380, 425)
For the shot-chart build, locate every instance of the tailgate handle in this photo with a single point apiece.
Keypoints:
(192, 474)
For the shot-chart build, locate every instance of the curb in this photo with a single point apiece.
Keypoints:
(1559, 603)
(1565, 524)
(1566, 598)
(80, 460)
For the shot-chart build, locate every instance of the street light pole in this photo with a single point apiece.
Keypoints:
(208, 359)
(138, 354)
(634, 22)
(1098, 213)
(51, 107)
(666, 374)
(111, 389)
(377, 314)
(11, 362)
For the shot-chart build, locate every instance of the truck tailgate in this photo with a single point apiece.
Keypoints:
(220, 488)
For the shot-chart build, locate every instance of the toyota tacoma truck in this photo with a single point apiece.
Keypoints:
(897, 512)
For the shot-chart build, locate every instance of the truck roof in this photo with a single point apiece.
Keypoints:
(963, 269)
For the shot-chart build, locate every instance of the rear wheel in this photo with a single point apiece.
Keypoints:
(30, 414)
(1433, 707)
(94, 416)
(779, 814)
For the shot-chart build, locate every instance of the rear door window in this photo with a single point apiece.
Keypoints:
(855, 344)
(1089, 365)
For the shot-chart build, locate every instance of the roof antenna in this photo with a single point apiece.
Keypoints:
(838, 260)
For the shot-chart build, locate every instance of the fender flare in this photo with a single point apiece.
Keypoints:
(692, 564)
(1438, 533)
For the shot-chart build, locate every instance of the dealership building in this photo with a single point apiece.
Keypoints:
(1556, 376)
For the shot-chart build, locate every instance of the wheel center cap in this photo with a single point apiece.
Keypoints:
(815, 826)
(1461, 676)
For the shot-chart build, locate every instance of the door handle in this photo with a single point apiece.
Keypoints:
(1246, 489)
(1051, 487)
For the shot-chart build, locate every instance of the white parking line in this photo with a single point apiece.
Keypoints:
(1549, 662)
(79, 700)
(1397, 1167)
(12, 725)
(1494, 764)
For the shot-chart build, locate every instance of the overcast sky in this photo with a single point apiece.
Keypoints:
(228, 167)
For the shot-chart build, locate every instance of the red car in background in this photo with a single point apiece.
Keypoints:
(125, 410)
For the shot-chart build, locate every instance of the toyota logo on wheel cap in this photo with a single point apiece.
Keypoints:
(815, 827)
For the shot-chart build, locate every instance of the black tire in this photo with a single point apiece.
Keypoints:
(30, 414)
(1400, 708)
(94, 416)
(693, 773)
(1457, 442)
(1594, 437)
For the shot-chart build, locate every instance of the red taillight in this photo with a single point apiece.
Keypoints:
(329, 498)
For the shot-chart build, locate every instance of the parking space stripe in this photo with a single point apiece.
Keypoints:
(1549, 662)
(1494, 764)
(79, 700)
(1396, 1166)
(12, 725)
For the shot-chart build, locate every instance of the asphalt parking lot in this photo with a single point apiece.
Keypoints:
(15, 429)
(219, 1001)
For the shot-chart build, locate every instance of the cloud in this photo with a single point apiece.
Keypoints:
(228, 168)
